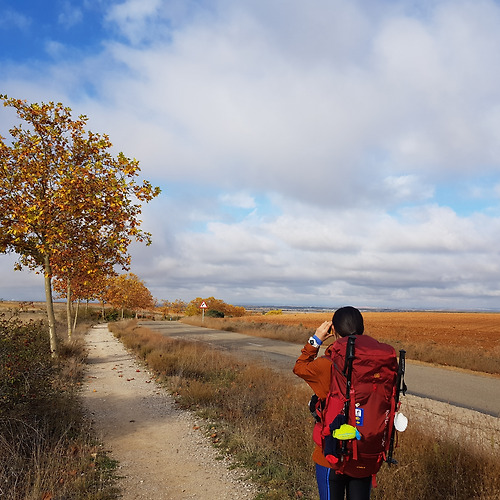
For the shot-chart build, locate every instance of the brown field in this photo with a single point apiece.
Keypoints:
(28, 307)
(464, 340)
(474, 330)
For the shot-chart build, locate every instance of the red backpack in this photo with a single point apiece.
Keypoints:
(364, 393)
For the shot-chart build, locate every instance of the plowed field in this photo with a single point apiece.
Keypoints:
(477, 330)
(466, 340)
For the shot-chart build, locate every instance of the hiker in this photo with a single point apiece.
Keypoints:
(317, 372)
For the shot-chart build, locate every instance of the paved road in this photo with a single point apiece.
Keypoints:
(466, 390)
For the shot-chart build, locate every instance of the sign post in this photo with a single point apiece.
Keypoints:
(203, 306)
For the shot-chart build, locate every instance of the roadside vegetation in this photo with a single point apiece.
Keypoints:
(464, 340)
(47, 449)
(260, 418)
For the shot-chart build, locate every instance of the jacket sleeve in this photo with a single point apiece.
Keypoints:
(315, 371)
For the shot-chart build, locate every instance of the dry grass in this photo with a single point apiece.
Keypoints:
(260, 418)
(47, 450)
(433, 467)
(464, 340)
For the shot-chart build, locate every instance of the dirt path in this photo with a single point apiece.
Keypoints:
(162, 451)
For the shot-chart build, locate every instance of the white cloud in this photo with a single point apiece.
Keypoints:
(407, 188)
(134, 18)
(347, 117)
(441, 73)
(70, 15)
(14, 18)
(330, 257)
(239, 200)
(226, 101)
(54, 49)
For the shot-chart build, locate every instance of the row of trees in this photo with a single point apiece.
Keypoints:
(129, 292)
(124, 292)
(214, 306)
(168, 307)
(70, 208)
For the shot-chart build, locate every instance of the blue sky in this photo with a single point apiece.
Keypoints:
(322, 153)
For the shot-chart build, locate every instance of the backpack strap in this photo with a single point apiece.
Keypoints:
(352, 418)
(348, 407)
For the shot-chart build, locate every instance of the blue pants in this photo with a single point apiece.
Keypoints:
(333, 486)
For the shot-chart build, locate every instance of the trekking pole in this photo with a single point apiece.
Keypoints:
(400, 387)
(349, 357)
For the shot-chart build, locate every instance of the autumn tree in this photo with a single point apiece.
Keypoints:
(165, 308)
(178, 306)
(67, 202)
(213, 304)
(86, 284)
(127, 291)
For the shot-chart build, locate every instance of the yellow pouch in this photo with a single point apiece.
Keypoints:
(346, 431)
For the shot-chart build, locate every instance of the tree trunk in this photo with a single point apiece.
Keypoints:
(76, 314)
(54, 347)
(68, 309)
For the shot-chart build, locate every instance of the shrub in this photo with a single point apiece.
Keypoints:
(46, 447)
(212, 313)
(25, 366)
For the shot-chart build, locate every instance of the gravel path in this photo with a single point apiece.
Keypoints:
(162, 451)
